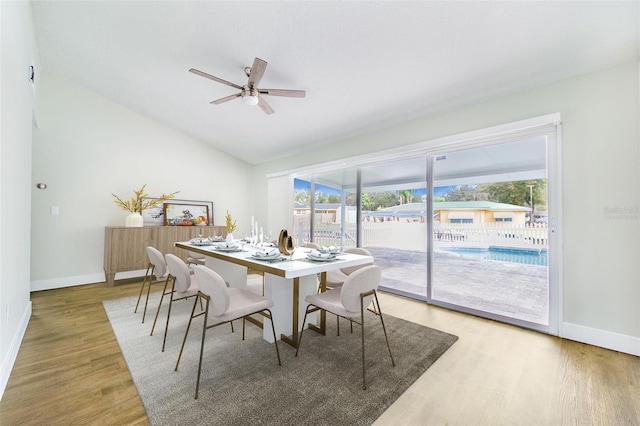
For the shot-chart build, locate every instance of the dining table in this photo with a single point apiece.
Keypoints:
(288, 279)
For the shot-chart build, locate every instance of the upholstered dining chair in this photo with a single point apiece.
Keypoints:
(179, 285)
(224, 305)
(336, 278)
(357, 293)
(194, 258)
(156, 273)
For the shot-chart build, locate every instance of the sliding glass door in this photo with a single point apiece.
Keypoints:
(490, 232)
(466, 227)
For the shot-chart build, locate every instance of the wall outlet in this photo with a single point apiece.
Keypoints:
(55, 210)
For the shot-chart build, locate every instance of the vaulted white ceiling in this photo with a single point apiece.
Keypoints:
(363, 64)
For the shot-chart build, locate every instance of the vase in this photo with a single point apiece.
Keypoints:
(285, 243)
(134, 220)
(229, 239)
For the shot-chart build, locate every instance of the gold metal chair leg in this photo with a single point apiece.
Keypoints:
(164, 292)
(166, 328)
(364, 379)
(186, 333)
(384, 328)
(273, 329)
(204, 333)
(304, 321)
(144, 281)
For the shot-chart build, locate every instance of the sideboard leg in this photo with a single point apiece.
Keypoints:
(110, 279)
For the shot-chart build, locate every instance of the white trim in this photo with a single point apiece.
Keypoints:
(502, 131)
(98, 277)
(602, 338)
(14, 347)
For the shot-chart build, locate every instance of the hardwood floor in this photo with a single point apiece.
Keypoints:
(70, 371)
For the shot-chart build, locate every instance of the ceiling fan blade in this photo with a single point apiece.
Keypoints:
(225, 99)
(257, 71)
(283, 92)
(214, 78)
(265, 106)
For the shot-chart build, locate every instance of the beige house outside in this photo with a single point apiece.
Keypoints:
(451, 212)
(480, 212)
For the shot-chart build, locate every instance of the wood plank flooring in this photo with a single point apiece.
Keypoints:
(70, 371)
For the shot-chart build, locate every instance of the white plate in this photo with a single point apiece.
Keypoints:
(228, 249)
(201, 243)
(320, 259)
(268, 257)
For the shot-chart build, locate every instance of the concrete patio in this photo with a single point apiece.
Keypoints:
(511, 289)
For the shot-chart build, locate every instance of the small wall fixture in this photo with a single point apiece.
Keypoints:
(41, 186)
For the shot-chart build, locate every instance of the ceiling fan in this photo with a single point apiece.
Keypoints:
(250, 93)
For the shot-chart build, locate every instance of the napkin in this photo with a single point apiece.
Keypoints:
(227, 245)
(265, 253)
(330, 249)
(316, 253)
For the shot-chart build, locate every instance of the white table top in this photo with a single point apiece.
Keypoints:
(298, 267)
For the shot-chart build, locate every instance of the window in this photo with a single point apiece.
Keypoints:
(461, 221)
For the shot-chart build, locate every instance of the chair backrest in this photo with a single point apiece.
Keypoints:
(180, 271)
(157, 260)
(356, 250)
(212, 284)
(195, 255)
(360, 281)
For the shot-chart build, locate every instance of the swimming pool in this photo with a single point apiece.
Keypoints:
(503, 254)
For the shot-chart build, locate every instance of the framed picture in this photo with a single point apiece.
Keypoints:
(153, 216)
(156, 217)
(179, 214)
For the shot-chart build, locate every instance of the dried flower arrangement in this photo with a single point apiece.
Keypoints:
(230, 223)
(137, 204)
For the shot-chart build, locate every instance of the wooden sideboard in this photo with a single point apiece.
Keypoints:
(125, 249)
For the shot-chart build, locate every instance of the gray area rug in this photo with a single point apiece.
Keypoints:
(242, 383)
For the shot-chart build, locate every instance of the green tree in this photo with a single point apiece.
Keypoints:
(302, 196)
(462, 193)
(527, 193)
(405, 196)
(333, 198)
(321, 198)
(367, 204)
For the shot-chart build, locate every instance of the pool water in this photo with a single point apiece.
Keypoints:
(503, 254)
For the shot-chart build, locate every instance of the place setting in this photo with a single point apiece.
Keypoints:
(201, 241)
(267, 254)
(228, 247)
(324, 254)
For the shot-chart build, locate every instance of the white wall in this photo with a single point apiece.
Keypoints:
(18, 48)
(88, 147)
(601, 158)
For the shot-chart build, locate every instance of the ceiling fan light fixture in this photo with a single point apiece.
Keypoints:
(250, 96)
(251, 100)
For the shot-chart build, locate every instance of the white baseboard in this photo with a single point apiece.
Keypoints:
(81, 280)
(602, 338)
(12, 353)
